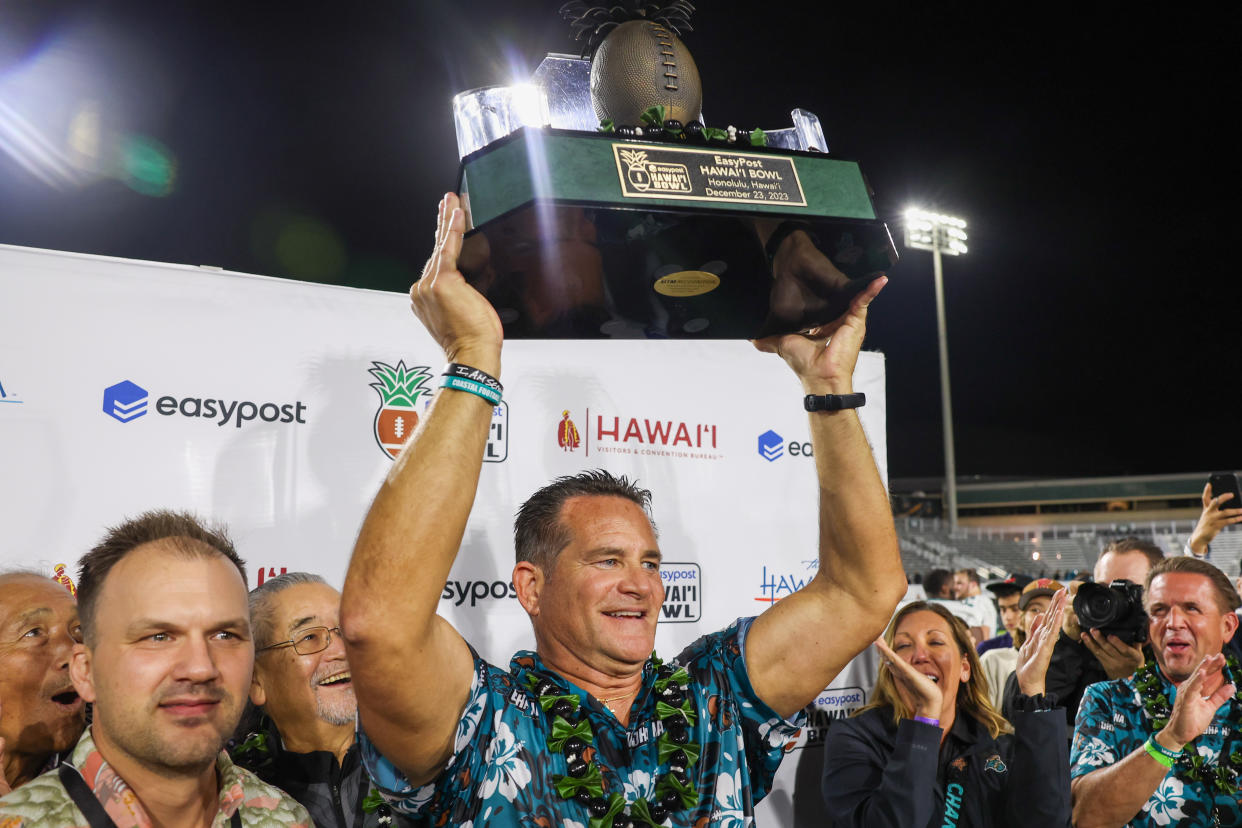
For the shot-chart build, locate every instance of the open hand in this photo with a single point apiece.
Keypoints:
(1218, 512)
(1036, 652)
(1192, 711)
(454, 313)
(824, 357)
(923, 693)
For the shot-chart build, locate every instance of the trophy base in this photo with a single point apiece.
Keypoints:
(578, 235)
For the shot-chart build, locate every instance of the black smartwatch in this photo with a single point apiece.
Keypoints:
(1038, 703)
(833, 402)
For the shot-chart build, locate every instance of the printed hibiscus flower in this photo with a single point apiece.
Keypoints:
(1096, 753)
(468, 724)
(638, 786)
(505, 770)
(730, 811)
(1165, 805)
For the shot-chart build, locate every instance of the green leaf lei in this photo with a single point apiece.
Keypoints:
(653, 121)
(1222, 774)
(572, 735)
(653, 116)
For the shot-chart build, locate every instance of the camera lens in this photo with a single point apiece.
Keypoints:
(1096, 606)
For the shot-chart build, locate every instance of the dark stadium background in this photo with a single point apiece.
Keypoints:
(1092, 327)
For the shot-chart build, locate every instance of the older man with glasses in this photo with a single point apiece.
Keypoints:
(301, 736)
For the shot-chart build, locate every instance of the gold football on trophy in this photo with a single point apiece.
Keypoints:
(637, 60)
(642, 64)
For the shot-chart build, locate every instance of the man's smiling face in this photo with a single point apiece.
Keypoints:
(296, 689)
(1187, 622)
(601, 600)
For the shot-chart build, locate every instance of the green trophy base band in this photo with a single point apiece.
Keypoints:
(582, 168)
(576, 235)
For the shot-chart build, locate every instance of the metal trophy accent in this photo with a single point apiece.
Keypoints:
(648, 225)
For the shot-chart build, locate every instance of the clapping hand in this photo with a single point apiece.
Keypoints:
(1193, 711)
(923, 693)
(1036, 652)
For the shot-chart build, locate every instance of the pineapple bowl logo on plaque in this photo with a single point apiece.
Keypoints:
(646, 175)
(405, 396)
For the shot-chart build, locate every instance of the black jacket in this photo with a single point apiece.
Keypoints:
(878, 774)
(333, 793)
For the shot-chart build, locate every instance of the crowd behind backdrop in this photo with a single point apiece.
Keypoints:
(275, 407)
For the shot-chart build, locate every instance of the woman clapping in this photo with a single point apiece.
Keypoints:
(930, 750)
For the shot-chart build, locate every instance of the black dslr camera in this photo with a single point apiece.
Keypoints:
(1116, 609)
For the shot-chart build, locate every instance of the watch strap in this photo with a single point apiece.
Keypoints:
(833, 402)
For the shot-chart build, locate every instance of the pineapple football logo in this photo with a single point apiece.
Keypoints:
(400, 389)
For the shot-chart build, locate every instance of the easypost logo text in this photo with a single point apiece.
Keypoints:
(459, 592)
(127, 401)
(772, 447)
(683, 592)
(830, 706)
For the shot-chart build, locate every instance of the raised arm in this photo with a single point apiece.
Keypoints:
(1037, 791)
(798, 646)
(411, 670)
(1218, 512)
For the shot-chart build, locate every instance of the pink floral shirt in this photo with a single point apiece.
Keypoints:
(44, 803)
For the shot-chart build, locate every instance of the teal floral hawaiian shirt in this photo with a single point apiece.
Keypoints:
(501, 773)
(1112, 724)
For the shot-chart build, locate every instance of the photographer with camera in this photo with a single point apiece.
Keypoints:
(1164, 746)
(1100, 649)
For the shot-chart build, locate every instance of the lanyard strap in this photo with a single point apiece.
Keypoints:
(86, 801)
(955, 791)
(84, 797)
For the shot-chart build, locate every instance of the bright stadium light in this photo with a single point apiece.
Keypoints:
(941, 234)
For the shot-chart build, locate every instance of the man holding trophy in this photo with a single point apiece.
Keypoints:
(592, 728)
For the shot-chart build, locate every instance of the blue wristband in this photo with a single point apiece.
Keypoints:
(472, 387)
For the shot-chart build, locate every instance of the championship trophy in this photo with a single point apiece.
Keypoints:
(598, 204)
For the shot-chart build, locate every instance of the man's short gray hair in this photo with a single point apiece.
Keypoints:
(538, 532)
(262, 611)
(19, 572)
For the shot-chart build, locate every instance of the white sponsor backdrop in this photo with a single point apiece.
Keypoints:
(132, 385)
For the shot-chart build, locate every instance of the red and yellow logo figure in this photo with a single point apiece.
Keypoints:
(567, 433)
(62, 578)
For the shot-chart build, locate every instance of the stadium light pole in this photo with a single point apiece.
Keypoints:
(941, 234)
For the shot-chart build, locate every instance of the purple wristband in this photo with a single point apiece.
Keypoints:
(925, 720)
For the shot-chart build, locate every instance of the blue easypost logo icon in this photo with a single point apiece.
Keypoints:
(125, 401)
(771, 445)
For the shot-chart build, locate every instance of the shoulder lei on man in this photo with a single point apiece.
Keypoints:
(571, 734)
(1221, 775)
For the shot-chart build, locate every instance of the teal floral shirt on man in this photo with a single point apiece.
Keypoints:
(1112, 723)
(502, 771)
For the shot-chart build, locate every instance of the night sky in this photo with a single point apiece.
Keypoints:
(1092, 327)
